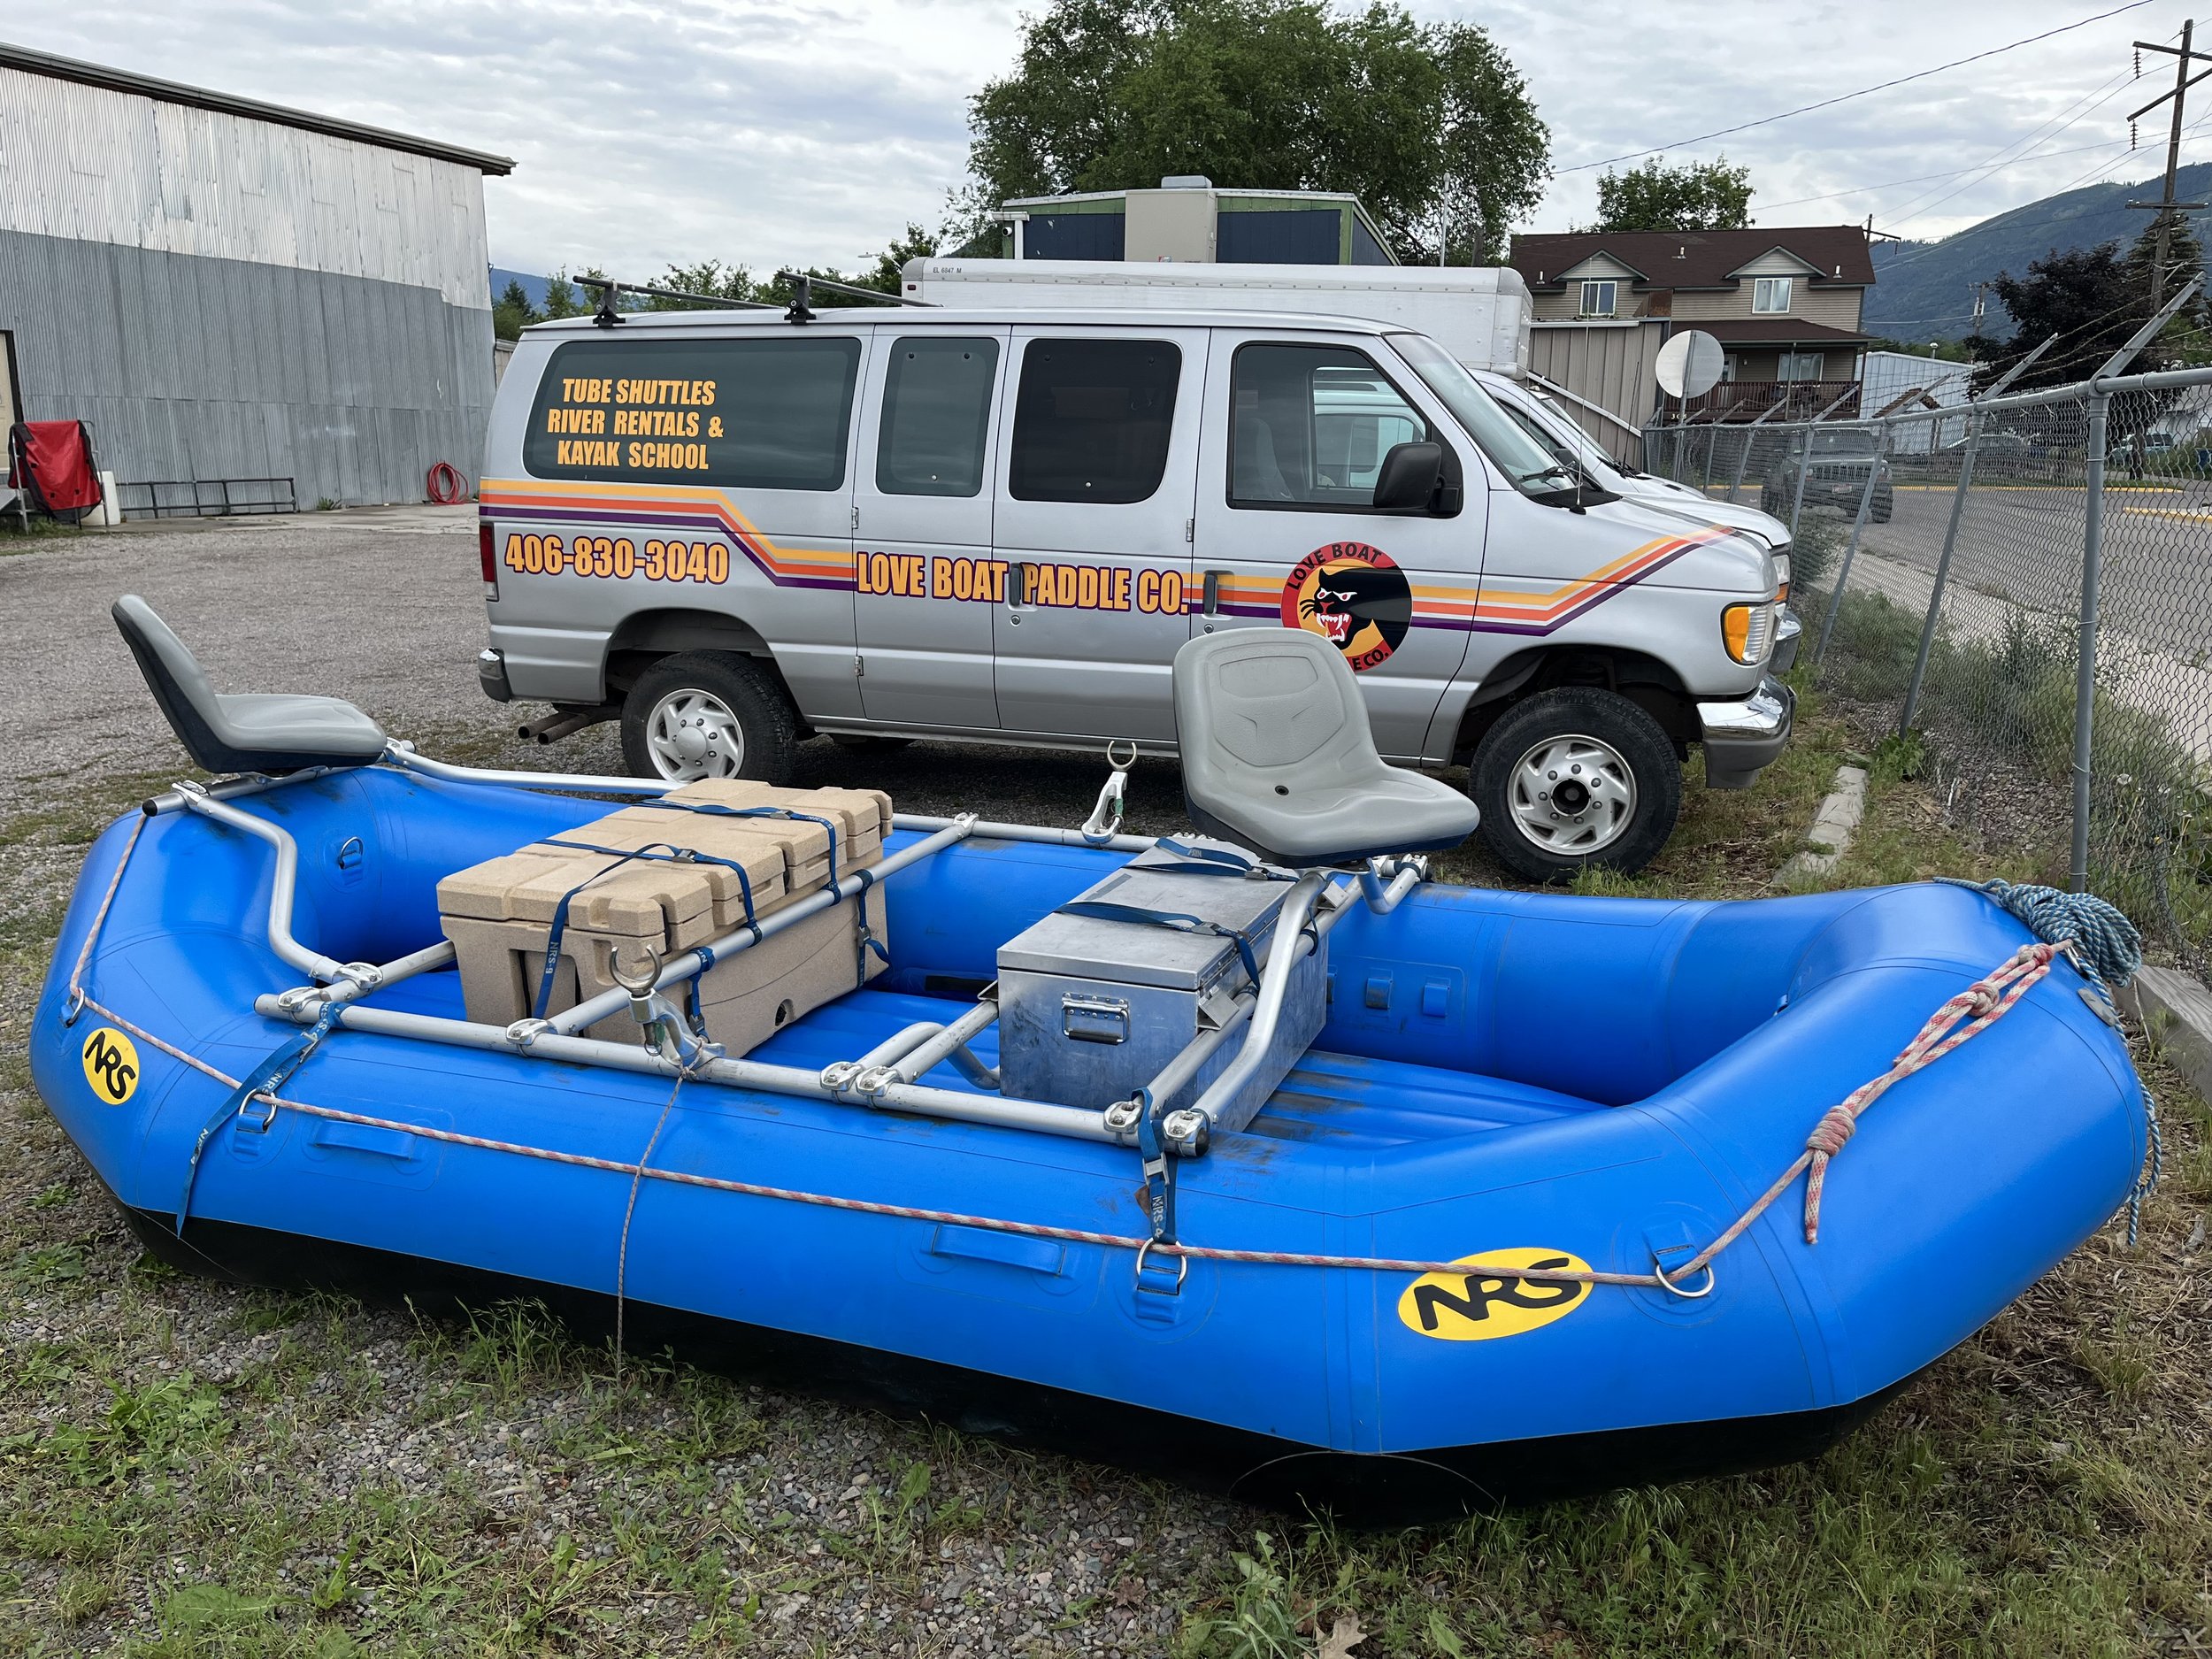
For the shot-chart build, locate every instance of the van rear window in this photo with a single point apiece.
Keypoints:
(744, 414)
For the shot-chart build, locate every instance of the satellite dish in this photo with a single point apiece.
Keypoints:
(1689, 365)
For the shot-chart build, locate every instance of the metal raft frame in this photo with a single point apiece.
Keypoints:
(886, 1076)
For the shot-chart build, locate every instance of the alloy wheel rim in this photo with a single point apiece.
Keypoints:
(1571, 794)
(691, 735)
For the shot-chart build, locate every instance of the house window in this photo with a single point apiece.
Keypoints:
(1802, 365)
(1770, 294)
(1598, 298)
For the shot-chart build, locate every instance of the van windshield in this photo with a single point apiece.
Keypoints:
(1531, 467)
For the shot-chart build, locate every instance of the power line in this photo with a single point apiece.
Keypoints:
(1930, 178)
(1845, 97)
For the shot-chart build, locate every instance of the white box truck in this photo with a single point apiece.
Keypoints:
(1478, 313)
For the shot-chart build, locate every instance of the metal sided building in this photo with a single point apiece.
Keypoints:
(1188, 219)
(229, 291)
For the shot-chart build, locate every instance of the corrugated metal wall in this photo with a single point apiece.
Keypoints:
(1612, 364)
(223, 297)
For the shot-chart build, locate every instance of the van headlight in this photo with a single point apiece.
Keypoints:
(1782, 576)
(1748, 631)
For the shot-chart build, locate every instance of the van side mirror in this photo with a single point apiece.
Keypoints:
(1409, 477)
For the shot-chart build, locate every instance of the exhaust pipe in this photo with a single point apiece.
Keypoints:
(567, 722)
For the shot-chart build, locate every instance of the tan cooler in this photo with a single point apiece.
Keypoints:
(499, 913)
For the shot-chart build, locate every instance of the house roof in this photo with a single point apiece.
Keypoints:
(1773, 331)
(1697, 258)
(86, 75)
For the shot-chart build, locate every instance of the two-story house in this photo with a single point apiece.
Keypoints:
(1784, 304)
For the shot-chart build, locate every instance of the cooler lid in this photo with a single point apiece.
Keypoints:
(1141, 952)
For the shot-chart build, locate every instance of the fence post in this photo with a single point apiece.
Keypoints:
(1943, 568)
(2086, 675)
(1858, 528)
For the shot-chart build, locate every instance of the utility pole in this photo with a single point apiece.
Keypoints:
(2167, 207)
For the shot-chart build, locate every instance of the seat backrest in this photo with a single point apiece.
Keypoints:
(1259, 474)
(179, 683)
(1261, 711)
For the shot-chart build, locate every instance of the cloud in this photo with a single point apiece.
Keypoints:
(811, 131)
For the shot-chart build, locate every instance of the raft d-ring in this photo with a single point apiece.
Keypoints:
(248, 1124)
(1182, 1268)
(1667, 1283)
(73, 1007)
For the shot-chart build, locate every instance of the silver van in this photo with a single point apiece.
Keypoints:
(738, 530)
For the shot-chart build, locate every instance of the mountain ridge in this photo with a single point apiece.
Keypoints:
(1923, 289)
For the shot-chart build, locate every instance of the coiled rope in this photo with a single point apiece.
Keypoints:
(1958, 1020)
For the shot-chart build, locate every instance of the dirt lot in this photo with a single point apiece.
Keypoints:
(188, 1469)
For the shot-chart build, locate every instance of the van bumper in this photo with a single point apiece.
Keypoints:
(1789, 633)
(1744, 736)
(491, 674)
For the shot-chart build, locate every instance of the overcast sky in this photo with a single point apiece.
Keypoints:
(811, 131)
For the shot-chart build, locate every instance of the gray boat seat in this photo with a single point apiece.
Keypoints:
(1277, 755)
(240, 731)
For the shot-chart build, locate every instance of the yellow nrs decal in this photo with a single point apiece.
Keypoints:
(1474, 1307)
(111, 1064)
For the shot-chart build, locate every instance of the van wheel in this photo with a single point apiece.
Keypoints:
(708, 714)
(1576, 776)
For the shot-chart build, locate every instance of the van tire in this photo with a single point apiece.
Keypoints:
(1628, 815)
(722, 696)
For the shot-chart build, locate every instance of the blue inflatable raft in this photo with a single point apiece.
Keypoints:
(1550, 1106)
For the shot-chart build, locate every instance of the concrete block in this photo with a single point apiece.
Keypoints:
(2178, 1008)
(1841, 811)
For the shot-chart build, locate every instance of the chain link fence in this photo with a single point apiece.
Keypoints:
(1949, 566)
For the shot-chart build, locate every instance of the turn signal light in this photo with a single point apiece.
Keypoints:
(1748, 631)
(488, 557)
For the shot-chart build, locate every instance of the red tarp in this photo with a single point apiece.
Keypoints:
(57, 455)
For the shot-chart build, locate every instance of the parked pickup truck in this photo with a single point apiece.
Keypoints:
(740, 529)
(1838, 462)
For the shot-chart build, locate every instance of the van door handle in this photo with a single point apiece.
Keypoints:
(1213, 591)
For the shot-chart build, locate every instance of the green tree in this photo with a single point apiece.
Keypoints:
(1428, 125)
(2094, 299)
(1699, 195)
(883, 276)
(513, 312)
(560, 297)
(711, 279)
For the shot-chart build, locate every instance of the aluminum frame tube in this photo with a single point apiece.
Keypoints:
(986, 829)
(1283, 952)
(1043, 1116)
(281, 888)
(2086, 670)
(950, 1042)
(405, 757)
(1942, 573)
(679, 969)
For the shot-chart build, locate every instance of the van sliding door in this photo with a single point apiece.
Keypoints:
(1099, 451)
(926, 576)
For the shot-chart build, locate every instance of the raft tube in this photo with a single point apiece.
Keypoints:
(1506, 1076)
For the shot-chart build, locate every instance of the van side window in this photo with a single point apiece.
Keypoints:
(1092, 420)
(744, 414)
(1309, 427)
(936, 416)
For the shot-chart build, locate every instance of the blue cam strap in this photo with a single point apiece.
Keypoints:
(269, 1074)
(1218, 861)
(656, 852)
(712, 809)
(1176, 921)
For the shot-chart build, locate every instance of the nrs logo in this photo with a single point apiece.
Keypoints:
(1475, 1306)
(111, 1064)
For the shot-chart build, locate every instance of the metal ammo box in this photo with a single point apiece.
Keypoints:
(1091, 1010)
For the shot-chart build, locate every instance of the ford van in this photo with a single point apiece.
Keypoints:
(733, 531)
